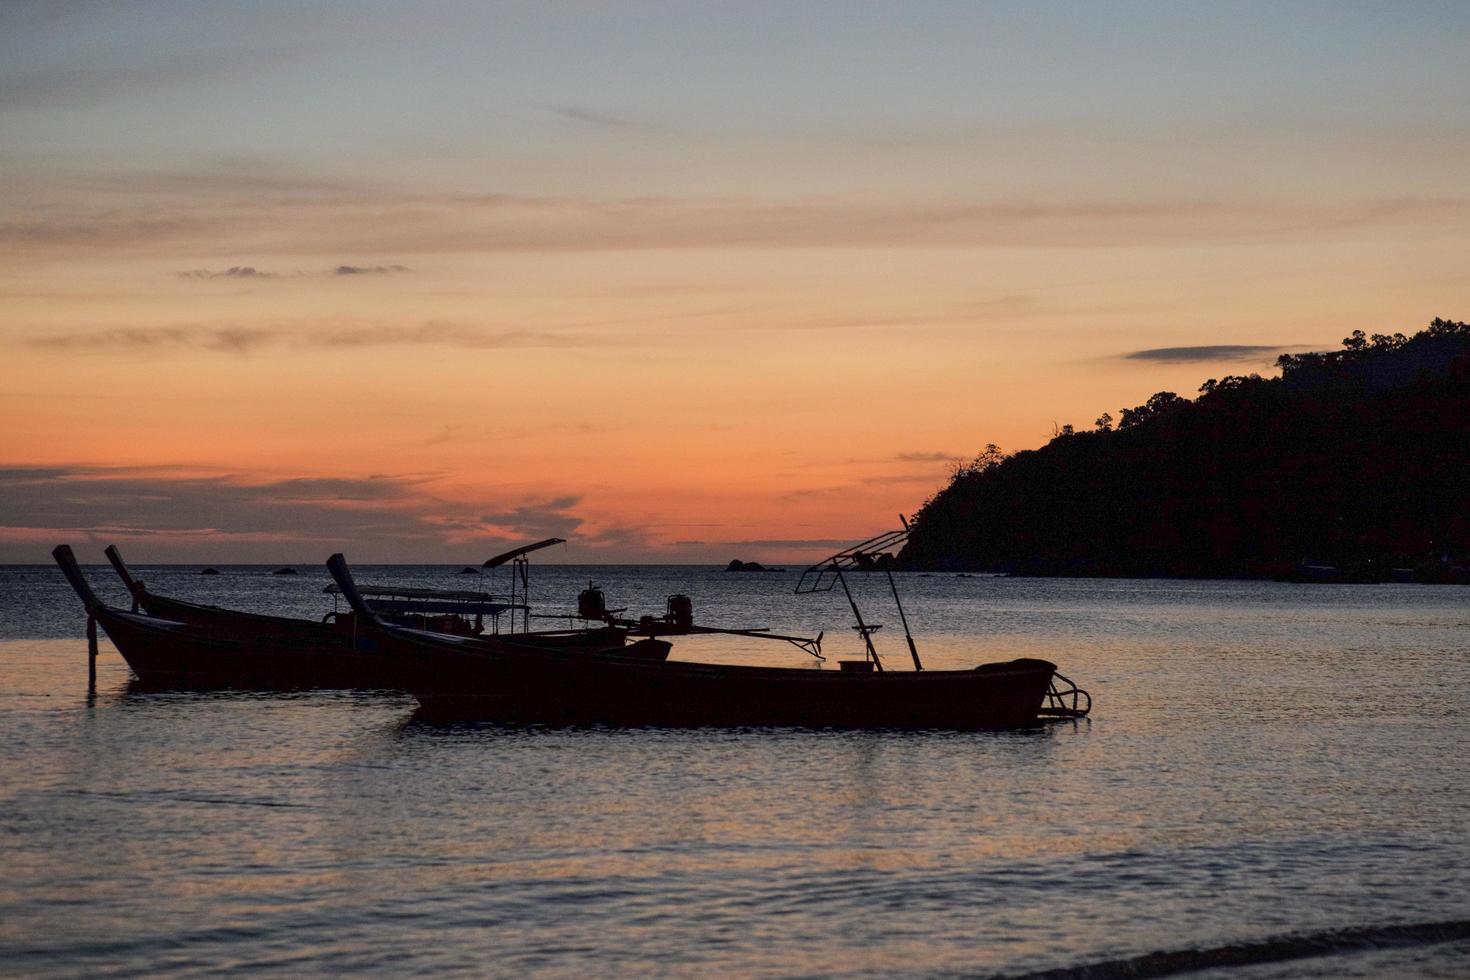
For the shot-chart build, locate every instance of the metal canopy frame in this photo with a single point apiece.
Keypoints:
(520, 571)
(394, 592)
(871, 555)
(390, 599)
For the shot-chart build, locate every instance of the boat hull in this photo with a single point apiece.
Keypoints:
(567, 688)
(166, 654)
(218, 617)
(264, 652)
(222, 648)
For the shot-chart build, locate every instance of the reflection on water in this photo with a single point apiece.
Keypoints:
(1264, 761)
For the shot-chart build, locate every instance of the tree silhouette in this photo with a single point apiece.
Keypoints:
(1157, 406)
(1359, 458)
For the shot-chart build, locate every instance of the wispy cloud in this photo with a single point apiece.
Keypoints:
(119, 339)
(438, 333)
(17, 16)
(111, 74)
(789, 543)
(603, 120)
(881, 479)
(925, 457)
(416, 224)
(231, 339)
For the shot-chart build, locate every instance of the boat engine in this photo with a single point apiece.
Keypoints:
(591, 603)
(680, 611)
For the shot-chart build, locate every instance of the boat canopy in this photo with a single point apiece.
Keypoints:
(867, 556)
(399, 592)
(430, 606)
(521, 552)
(398, 599)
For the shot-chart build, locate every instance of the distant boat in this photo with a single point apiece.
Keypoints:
(285, 571)
(209, 571)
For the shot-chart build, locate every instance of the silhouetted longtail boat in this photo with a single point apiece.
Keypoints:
(241, 651)
(445, 611)
(454, 679)
(196, 646)
(449, 611)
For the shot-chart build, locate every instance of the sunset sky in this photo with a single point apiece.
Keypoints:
(680, 281)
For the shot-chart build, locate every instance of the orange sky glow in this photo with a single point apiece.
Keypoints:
(679, 289)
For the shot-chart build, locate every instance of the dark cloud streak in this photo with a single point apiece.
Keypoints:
(233, 272)
(1207, 352)
(80, 497)
(244, 519)
(368, 270)
(250, 272)
(549, 518)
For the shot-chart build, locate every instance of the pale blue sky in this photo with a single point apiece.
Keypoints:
(738, 90)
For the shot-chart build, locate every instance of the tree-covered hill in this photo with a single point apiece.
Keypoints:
(1358, 459)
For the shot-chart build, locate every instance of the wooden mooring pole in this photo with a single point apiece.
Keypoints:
(91, 653)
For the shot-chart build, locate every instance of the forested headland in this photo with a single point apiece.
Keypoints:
(1353, 464)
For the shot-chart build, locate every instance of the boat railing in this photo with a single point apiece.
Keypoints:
(868, 556)
(1064, 699)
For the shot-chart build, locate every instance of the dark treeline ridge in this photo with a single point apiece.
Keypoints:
(1357, 459)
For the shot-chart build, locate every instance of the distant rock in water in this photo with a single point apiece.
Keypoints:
(467, 570)
(284, 571)
(736, 565)
(209, 571)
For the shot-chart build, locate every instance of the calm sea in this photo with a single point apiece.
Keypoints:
(1275, 773)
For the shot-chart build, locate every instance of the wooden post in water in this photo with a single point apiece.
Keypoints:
(91, 653)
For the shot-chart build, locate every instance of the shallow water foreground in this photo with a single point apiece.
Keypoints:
(1270, 768)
